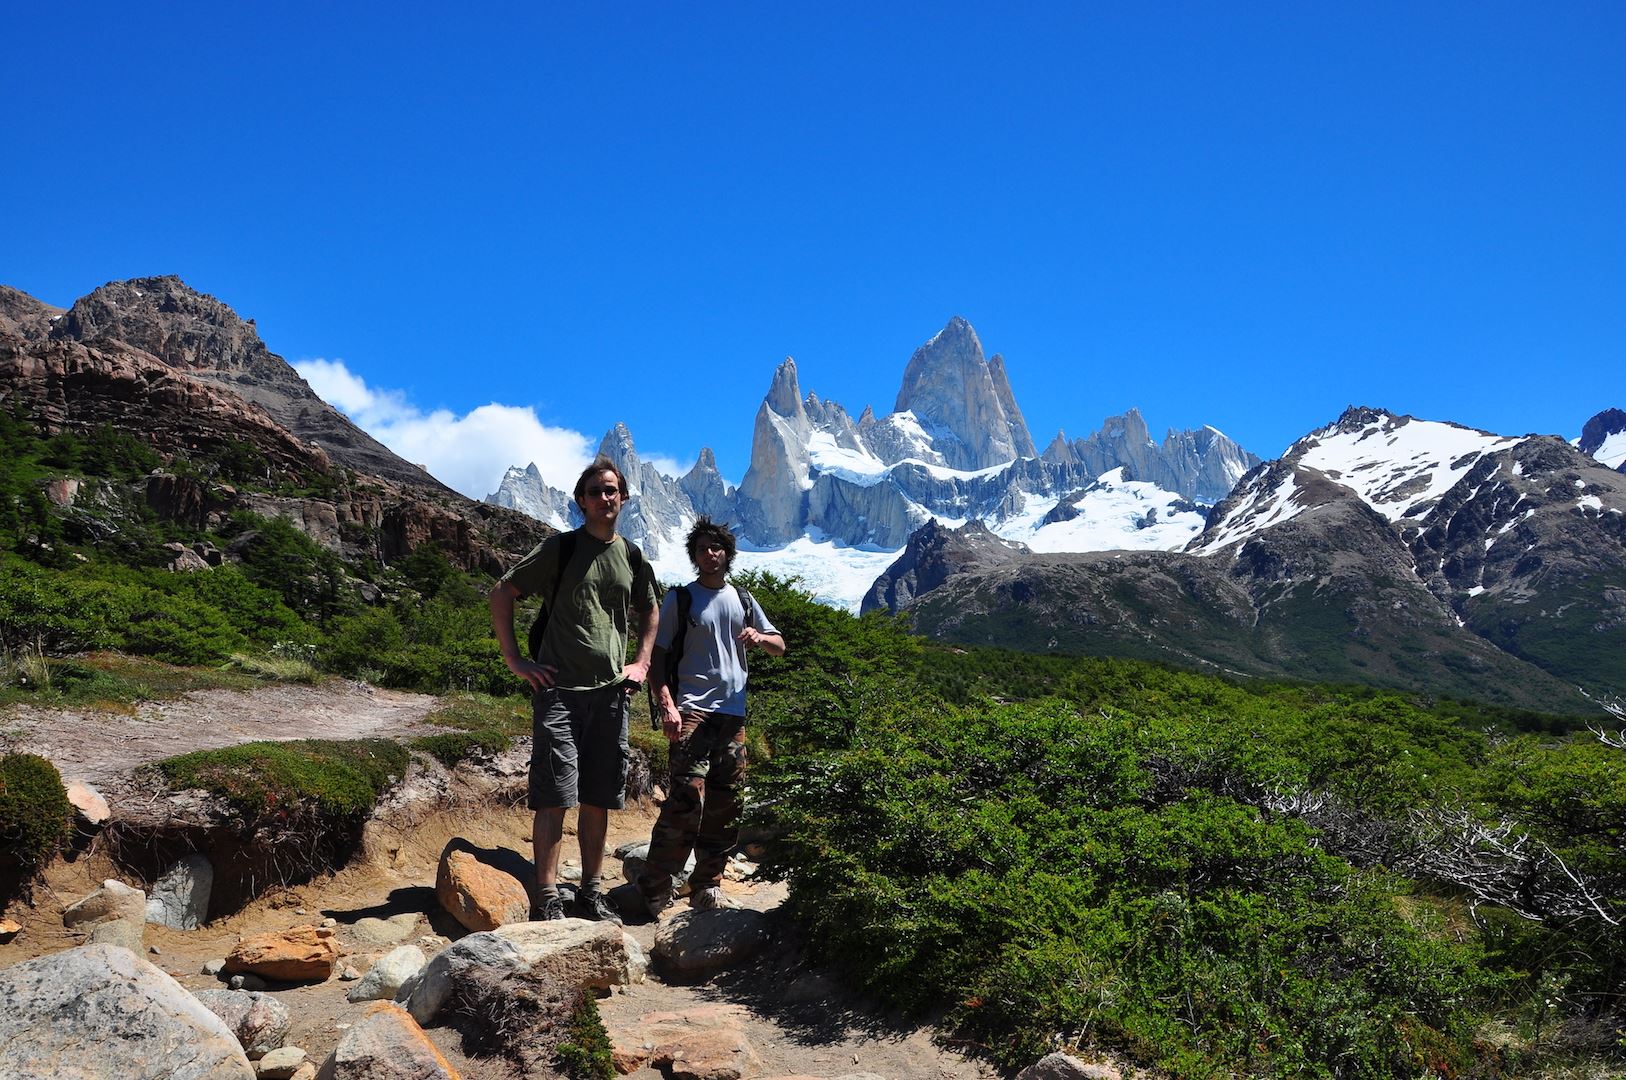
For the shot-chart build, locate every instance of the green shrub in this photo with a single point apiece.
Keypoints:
(454, 747)
(34, 812)
(343, 779)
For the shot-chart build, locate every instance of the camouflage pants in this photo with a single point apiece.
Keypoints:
(702, 813)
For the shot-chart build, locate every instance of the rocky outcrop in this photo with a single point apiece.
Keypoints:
(770, 499)
(952, 392)
(181, 373)
(100, 1010)
(934, 554)
(204, 338)
(1603, 437)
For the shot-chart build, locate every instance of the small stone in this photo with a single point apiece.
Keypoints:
(299, 911)
(280, 1064)
(9, 928)
(348, 974)
(246, 982)
(306, 1071)
(215, 966)
(88, 804)
(330, 921)
(155, 950)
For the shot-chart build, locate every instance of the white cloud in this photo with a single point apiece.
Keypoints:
(469, 452)
(671, 466)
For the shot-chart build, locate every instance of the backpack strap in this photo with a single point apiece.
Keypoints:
(567, 550)
(749, 604)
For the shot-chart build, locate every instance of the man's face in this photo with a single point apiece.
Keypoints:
(601, 498)
(710, 556)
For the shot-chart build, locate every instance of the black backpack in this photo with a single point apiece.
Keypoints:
(567, 550)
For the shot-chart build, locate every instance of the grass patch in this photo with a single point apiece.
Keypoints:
(292, 664)
(484, 712)
(111, 682)
(455, 747)
(338, 778)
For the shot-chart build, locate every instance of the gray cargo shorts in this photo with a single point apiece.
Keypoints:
(579, 747)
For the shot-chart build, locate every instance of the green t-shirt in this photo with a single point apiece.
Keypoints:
(588, 628)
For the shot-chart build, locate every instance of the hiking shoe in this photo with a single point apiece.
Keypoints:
(547, 909)
(593, 907)
(712, 899)
(657, 904)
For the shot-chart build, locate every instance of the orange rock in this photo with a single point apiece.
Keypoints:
(480, 897)
(295, 955)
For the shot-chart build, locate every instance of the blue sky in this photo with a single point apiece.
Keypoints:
(493, 235)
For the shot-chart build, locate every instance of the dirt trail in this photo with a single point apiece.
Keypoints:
(798, 1021)
(95, 745)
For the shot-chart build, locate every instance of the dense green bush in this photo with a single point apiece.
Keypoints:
(34, 814)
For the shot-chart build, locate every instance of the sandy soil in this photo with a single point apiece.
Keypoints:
(817, 1030)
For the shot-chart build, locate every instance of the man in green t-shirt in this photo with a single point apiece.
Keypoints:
(581, 683)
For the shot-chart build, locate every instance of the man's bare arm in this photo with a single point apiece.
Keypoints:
(649, 621)
(503, 596)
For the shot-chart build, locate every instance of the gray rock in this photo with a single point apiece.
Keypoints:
(692, 944)
(102, 1011)
(429, 991)
(247, 981)
(180, 898)
(1059, 1066)
(386, 977)
(585, 954)
(125, 933)
(382, 932)
(215, 966)
(114, 900)
(259, 1021)
(634, 857)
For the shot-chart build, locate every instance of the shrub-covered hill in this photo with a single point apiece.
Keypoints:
(1215, 878)
(1212, 878)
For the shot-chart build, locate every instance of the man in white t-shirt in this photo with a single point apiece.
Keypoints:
(706, 627)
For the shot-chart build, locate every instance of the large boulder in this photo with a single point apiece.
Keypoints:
(694, 944)
(573, 952)
(387, 1045)
(295, 955)
(477, 894)
(180, 898)
(588, 955)
(706, 1042)
(101, 1011)
(258, 1020)
(1060, 1066)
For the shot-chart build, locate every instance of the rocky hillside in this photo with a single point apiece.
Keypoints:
(954, 447)
(1382, 549)
(180, 371)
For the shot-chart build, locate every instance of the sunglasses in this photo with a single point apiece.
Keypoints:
(595, 492)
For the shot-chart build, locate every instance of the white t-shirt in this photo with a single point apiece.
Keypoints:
(712, 669)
